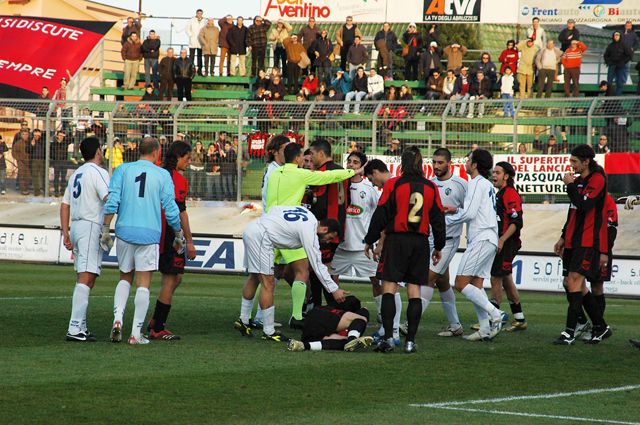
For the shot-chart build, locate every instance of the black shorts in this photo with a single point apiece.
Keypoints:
(605, 274)
(328, 250)
(321, 322)
(406, 258)
(503, 261)
(585, 261)
(170, 261)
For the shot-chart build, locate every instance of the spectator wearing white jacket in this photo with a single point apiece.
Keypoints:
(196, 24)
(375, 86)
(537, 34)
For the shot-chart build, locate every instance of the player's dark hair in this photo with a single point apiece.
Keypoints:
(508, 170)
(88, 148)
(274, 145)
(307, 152)
(483, 160)
(322, 145)
(443, 152)
(375, 164)
(585, 152)
(291, 152)
(361, 156)
(176, 150)
(331, 224)
(411, 162)
(149, 145)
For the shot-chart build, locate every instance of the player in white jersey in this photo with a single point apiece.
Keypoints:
(275, 159)
(285, 227)
(137, 193)
(482, 241)
(452, 190)
(83, 203)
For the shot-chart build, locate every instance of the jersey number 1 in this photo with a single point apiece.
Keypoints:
(142, 179)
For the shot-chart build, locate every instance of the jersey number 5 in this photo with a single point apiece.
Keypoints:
(415, 214)
(76, 186)
(142, 179)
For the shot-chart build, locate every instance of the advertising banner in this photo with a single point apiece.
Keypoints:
(601, 12)
(452, 11)
(22, 244)
(37, 52)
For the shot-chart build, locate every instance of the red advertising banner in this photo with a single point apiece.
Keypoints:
(37, 52)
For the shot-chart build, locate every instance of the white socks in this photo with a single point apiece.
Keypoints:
(245, 310)
(79, 304)
(483, 320)
(448, 299)
(426, 294)
(120, 300)
(396, 318)
(479, 298)
(268, 320)
(141, 302)
(378, 300)
(315, 345)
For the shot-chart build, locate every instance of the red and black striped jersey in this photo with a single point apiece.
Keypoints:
(609, 225)
(509, 211)
(331, 200)
(584, 219)
(408, 205)
(181, 190)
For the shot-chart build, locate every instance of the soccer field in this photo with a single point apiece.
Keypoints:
(213, 375)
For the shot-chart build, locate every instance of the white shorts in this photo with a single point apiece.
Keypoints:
(477, 259)
(353, 263)
(87, 254)
(141, 258)
(258, 250)
(448, 252)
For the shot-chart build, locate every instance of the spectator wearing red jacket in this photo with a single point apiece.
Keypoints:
(309, 86)
(572, 61)
(509, 57)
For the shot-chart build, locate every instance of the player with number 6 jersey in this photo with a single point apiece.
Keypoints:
(137, 192)
(83, 203)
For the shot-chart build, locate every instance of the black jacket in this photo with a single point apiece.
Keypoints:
(165, 68)
(237, 39)
(359, 84)
(58, 151)
(390, 39)
(482, 88)
(324, 47)
(183, 68)
(563, 37)
(425, 61)
(414, 40)
(150, 48)
(617, 54)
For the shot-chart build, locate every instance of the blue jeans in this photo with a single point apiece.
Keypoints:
(151, 66)
(620, 75)
(228, 186)
(507, 107)
(214, 187)
(358, 96)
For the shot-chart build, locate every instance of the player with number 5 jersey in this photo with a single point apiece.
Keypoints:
(137, 192)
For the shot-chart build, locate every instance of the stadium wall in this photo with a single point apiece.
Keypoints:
(532, 271)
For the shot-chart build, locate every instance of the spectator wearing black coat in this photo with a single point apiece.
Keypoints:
(36, 150)
(411, 52)
(568, 34)
(151, 52)
(165, 69)
(183, 73)
(386, 41)
(276, 89)
(237, 38)
(481, 89)
(617, 57)
(487, 67)
(133, 25)
(431, 60)
(321, 50)
(257, 41)
(433, 34)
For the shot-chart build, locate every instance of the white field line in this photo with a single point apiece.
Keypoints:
(93, 296)
(530, 397)
(536, 415)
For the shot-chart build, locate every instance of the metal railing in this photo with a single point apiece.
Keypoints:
(377, 128)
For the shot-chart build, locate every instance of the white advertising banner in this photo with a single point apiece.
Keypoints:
(26, 244)
(601, 12)
(405, 11)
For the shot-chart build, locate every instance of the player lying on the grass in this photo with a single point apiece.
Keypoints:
(509, 213)
(83, 202)
(334, 327)
(482, 241)
(452, 190)
(137, 193)
(582, 248)
(378, 174)
(172, 263)
(409, 205)
(283, 228)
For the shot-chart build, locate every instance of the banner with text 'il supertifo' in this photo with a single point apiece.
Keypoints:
(37, 52)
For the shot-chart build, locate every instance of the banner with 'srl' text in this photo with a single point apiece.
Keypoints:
(37, 52)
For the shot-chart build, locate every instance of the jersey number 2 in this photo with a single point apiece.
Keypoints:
(142, 179)
(76, 186)
(415, 214)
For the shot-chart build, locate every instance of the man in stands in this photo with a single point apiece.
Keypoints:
(209, 38)
(536, 33)
(307, 36)
(454, 53)
(568, 34)
(345, 37)
(36, 151)
(386, 42)
(528, 51)
(133, 25)
(375, 85)
(357, 56)
(572, 61)
(294, 56)
(237, 38)
(131, 55)
(194, 27)
(225, 25)
(617, 56)
(487, 67)
(150, 52)
(257, 42)
(547, 61)
(183, 73)
(165, 69)
(480, 90)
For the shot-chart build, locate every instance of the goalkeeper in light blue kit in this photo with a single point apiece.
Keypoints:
(137, 192)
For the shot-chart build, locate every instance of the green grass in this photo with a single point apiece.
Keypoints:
(213, 375)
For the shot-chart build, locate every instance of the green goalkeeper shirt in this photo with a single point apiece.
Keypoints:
(287, 184)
